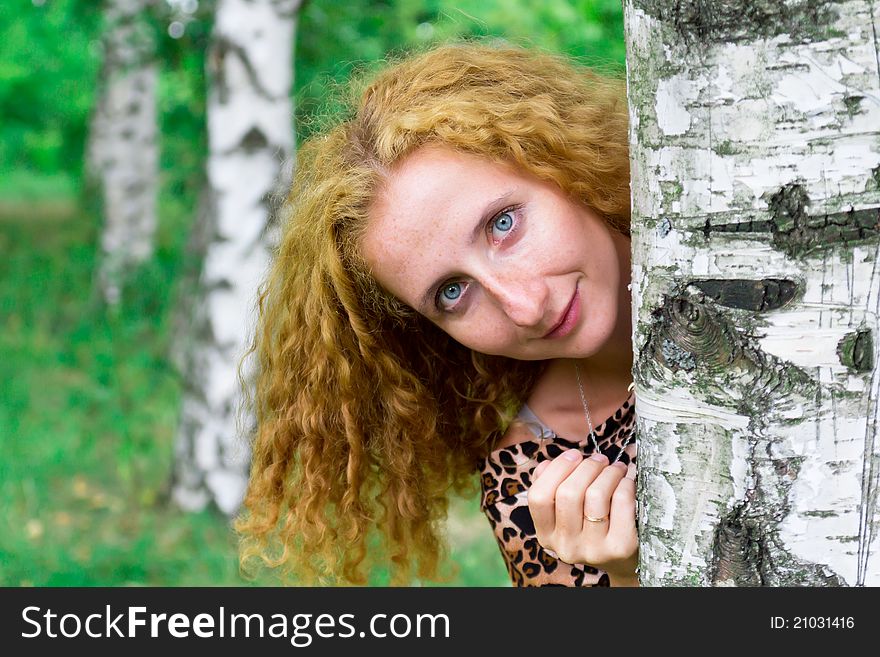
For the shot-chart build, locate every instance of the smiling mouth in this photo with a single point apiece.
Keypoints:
(567, 321)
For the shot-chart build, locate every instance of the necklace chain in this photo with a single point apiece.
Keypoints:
(592, 434)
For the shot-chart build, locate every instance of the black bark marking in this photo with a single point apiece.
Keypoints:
(737, 551)
(853, 105)
(686, 331)
(749, 226)
(701, 21)
(745, 294)
(856, 351)
(253, 141)
(796, 232)
(222, 48)
(788, 207)
(690, 333)
(742, 554)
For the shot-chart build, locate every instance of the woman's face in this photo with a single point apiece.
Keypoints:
(504, 263)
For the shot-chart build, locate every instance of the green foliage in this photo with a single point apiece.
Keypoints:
(49, 59)
(335, 38)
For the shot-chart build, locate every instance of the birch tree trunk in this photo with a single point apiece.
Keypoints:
(250, 135)
(123, 153)
(756, 201)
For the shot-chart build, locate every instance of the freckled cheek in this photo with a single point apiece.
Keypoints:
(483, 335)
(600, 313)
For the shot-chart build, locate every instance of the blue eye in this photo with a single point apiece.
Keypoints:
(503, 222)
(449, 295)
(451, 292)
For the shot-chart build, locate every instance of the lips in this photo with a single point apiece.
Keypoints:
(569, 318)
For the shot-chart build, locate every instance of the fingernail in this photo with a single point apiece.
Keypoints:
(573, 455)
(631, 471)
(599, 457)
(620, 464)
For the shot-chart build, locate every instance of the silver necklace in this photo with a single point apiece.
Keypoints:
(577, 373)
(592, 434)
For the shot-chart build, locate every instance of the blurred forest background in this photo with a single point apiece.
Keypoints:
(90, 390)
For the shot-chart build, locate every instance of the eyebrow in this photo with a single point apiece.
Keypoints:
(426, 305)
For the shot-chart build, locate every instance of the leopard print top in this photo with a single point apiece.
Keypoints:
(506, 477)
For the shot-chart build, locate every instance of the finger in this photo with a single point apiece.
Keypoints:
(597, 500)
(539, 469)
(542, 494)
(623, 508)
(570, 493)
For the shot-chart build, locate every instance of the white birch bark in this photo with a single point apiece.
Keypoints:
(250, 128)
(756, 223)
(123, 145)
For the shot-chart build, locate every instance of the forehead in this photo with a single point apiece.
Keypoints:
(439, 175)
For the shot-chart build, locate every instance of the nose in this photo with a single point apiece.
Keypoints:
(522, 298)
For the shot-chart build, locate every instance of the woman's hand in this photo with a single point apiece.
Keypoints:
(568, 492)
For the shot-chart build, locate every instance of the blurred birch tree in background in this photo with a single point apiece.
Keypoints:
(250, 137)
(123, 149)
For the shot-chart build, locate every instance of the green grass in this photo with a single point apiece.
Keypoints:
(24, 186)
(26, 194)
(88, 412)
(87, 419)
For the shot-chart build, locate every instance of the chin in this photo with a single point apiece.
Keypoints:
(588, 348)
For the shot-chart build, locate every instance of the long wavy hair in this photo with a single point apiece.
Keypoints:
(367, 415)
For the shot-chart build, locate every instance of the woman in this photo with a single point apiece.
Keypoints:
(454, 266)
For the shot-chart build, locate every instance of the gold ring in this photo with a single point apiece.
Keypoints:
(592, 519)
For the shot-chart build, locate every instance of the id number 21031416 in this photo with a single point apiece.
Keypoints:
(812, 622)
